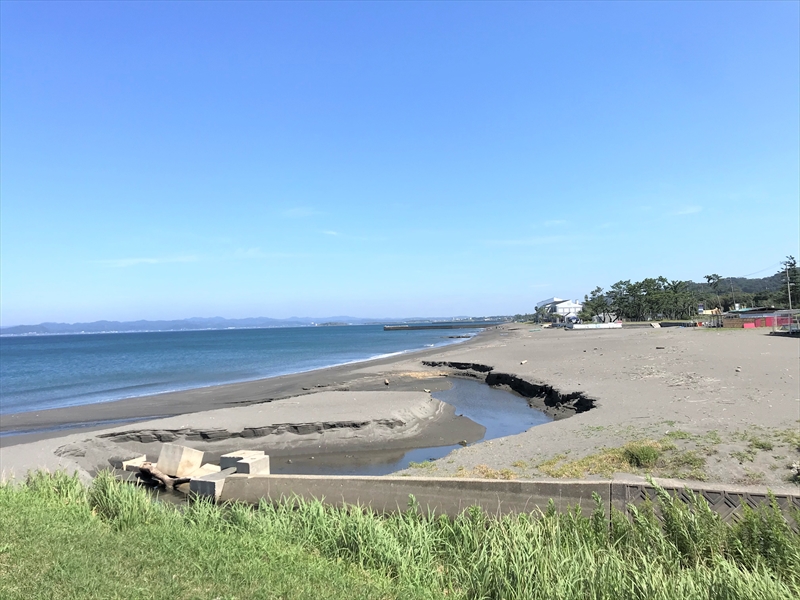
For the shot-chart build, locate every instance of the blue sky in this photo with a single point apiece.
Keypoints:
(168, 160)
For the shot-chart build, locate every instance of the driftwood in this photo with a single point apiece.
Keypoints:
(152, 472)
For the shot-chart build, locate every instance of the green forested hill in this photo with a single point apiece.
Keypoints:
(773, 283)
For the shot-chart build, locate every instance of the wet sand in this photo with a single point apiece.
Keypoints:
(335, 425)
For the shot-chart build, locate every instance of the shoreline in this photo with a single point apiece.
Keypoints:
(30, 426)
(178, 390)
(721, 406)
(5, 432)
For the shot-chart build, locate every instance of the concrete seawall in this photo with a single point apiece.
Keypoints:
(451, 496)
(448, 496)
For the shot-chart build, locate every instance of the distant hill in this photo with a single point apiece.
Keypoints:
(197, 323)
(773, 283)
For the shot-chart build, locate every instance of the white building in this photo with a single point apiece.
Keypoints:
(548, 301)
(560, 309)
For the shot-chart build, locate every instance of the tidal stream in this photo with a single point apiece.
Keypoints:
(501, 413)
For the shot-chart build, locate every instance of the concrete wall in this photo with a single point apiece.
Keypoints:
(727, 501)
(451, 496)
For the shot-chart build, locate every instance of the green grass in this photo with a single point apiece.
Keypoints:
(59, 541)
(110, 541)
(641, 456)
(657, 457)
(684, 464)
(425, 464)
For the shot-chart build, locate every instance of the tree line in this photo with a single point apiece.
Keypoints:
(660, 298)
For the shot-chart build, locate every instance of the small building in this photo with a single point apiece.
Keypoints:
(760, 316)
(560, 310)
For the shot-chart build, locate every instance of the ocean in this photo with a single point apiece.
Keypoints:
(54, 371)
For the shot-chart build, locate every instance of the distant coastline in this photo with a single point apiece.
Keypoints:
(216, 323)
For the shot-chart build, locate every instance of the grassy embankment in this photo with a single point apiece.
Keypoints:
(63, 540)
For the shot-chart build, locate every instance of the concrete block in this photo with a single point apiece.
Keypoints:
(179, 461)
(133, 464)
(210, 485)
(232, 458)
(206, 469)
(253, 465)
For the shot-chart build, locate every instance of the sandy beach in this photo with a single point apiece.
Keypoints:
(724, 406)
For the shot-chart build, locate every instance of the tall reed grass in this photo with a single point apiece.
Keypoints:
(686, 553)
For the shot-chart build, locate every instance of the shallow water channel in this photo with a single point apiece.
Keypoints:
(500, 412)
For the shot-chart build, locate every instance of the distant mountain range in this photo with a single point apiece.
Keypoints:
(211, 323)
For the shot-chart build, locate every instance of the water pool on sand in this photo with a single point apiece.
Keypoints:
(500, 412)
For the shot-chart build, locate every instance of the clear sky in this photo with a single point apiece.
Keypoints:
(169, 160)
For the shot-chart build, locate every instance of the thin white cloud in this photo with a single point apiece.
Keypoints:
(131, 262)
(331, 232)
(299, 212)
(555, 223)
(688, 210)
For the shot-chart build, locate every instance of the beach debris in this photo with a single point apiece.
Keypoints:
(152, 474)
(522, 362)
(179, 461)
(462, 443)
(738, 369)
(385, 382)
(133, 464)
(659, 347)
(426, 391)
(124, 462)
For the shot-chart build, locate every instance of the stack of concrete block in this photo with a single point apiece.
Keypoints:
(250, 462)
(179, 461)
(206, 469)
(175, 461)
(210, 485)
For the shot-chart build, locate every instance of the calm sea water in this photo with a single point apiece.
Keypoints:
(39, 372)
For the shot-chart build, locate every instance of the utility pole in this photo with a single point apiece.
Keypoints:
(788, 287)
